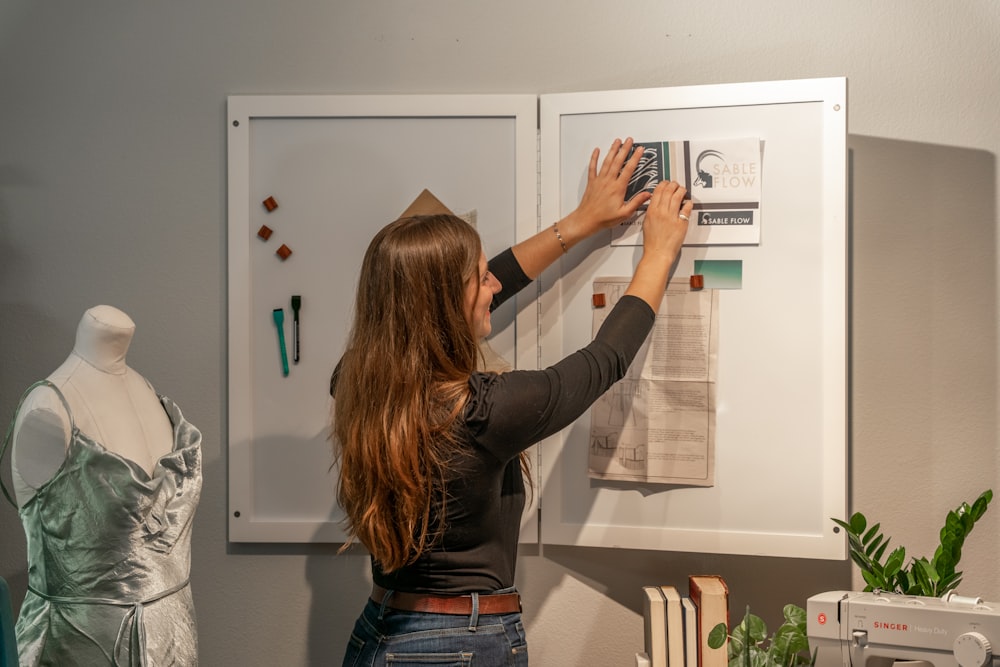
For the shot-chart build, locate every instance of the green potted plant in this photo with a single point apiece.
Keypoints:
(919, 576)
(750, 646)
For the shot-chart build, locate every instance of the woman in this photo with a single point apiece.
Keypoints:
(429, 448)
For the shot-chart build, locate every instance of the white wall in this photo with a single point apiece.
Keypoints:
(112, 190)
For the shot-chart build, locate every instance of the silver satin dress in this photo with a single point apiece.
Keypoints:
(109, 555)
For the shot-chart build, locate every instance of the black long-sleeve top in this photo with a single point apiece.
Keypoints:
(506, 414)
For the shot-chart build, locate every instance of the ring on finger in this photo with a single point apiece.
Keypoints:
(683, 217)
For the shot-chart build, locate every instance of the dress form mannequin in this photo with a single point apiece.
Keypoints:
(107, 476)
(110, 403)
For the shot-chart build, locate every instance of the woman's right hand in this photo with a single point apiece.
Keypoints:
(663, 232)
(663, 228)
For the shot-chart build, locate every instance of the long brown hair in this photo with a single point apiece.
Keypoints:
(403, 383)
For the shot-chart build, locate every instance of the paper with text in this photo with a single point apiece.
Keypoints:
(657, 424)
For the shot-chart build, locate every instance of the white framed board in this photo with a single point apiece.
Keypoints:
(323, 173)
(339, 167)
(780, 430)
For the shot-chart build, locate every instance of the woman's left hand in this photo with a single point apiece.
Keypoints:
(603, 203)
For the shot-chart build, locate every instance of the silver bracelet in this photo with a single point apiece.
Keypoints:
(555, 228)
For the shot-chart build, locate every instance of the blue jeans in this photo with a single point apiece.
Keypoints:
(386, 636)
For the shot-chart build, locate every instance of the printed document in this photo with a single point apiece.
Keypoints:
(657, 424)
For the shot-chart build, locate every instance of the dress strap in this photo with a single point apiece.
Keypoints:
(13, 420)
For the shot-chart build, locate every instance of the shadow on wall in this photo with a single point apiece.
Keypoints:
(285, 489)
(765, 583)
(336, 600)
(924, 335)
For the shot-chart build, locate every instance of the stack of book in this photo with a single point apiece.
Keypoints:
(676, 627)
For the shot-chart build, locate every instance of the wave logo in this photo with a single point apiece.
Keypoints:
(705, 179)
(647, 174)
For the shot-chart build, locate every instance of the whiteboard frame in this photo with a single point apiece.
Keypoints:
(831, 94)
(241, 110)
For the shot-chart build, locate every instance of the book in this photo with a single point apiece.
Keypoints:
(675, 627)
(690, 633)
(654, 612)
(710, 596)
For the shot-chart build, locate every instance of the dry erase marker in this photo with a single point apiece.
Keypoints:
(296, 306)
(279, 321)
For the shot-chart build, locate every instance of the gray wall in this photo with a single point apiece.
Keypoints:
(112, 190)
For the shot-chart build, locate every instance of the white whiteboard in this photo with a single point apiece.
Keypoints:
(781, 439)
(339, 168)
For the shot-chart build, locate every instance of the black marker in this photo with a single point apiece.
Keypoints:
(296, 305)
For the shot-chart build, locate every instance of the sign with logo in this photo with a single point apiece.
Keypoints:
(723, 179)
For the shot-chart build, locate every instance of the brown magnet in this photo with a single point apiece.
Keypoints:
(697, 281)
(598, 300)
(270, 204)
(265, 232)
(284, 251)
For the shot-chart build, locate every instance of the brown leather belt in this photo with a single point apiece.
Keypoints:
(489, 603)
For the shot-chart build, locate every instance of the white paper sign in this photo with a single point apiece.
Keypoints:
(723, 179)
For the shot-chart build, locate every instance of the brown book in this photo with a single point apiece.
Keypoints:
(710, 596)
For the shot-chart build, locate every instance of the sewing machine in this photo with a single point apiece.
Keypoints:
(869, 629)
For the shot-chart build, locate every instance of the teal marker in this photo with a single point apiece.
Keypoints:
(279, 321)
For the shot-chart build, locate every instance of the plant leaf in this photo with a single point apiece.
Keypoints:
(944, 561)
(795, 615)
(874, 545)
(929, 570)
(859, 557)
(737, 639)
(858, 523)
(734, 648)
(894, 563)
(872, 580)
(922, 583)
(907, 581)
(717, 637)
(981, 503)
(948, 583)
(872, 532)
(786, 642)
(790, 640)
(954, 525)
(756, 628)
